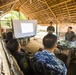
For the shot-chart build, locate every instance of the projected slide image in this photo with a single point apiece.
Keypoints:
(27, 27)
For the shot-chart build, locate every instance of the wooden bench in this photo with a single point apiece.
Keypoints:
(14, 68)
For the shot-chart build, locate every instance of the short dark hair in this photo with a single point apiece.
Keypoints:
(9, 36)
(49, 41)
(70, 27)
(51, 22)
(12, 45)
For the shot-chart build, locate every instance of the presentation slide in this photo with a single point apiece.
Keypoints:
(24, 28)
(27, 27)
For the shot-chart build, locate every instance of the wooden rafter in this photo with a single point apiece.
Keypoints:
(24, 13)
(46, 13)
(13, 5)
(68, 11)
(55, 4)
(8, 4)
(52, 12)
(41, 9)
(23, 4)
(38, 11)
(41, 1)
(72, 8)
(60, 12)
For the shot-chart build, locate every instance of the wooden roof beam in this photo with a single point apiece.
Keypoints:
(23, 4)
(24, 13)
(13, 5)
(42, 14)
(60, 13)
(46, 13)
(56, 4)
(52, 13)
(68, 11)
(41, 1)
(72, 7)
(8, 4)
(38, 11)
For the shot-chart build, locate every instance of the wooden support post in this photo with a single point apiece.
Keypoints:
(0, 26)
(19, 13)
(59, 31)
(56, 28)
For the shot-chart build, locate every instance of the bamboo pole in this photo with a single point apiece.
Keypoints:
(0, 26)
(56, 28)
(8, 4)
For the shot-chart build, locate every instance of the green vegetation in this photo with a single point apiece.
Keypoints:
(6, 23)
(14, 15)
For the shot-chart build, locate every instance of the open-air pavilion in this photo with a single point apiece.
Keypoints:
(62, 13)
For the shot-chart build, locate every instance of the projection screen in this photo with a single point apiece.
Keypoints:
(24, 28)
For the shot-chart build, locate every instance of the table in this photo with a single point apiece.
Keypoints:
(66, 45)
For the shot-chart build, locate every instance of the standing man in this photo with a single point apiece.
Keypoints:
(69, 34)
(50, 29)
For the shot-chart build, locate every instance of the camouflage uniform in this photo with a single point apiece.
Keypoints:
(51, 60)
(69, 36)
(22, 61)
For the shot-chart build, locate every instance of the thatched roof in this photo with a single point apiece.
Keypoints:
(58, 11)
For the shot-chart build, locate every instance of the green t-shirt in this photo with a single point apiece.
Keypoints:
(50, 29)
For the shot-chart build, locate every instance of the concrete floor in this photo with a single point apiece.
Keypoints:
(34, 45)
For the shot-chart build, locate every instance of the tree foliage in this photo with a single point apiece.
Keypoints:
(14, 15)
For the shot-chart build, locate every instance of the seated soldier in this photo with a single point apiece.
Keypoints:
(48, 57)
(70, 35)
(20, 55)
